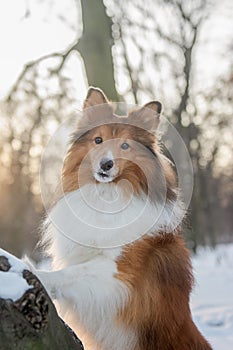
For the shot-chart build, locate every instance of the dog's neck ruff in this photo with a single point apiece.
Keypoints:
(102, 216)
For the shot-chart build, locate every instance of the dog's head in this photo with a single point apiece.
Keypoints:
(108, 148)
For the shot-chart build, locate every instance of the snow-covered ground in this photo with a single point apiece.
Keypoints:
(212, 299)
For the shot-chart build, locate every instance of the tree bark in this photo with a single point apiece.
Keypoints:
(32, 323)
(95, 46)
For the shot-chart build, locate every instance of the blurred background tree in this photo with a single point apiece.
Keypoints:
(134, 51)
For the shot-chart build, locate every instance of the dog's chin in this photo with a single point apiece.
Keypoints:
(103, 177)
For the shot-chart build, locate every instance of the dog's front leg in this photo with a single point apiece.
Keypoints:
(90, 295)
(93, 282)
(51, 281)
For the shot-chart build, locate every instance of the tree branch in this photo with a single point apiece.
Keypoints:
(32, 64)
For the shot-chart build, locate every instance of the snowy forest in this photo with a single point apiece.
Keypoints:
(179, 52)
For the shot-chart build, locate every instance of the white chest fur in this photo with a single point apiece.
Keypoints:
(103, 217)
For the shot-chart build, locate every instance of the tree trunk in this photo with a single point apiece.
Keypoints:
(31, 322)
(95, 46)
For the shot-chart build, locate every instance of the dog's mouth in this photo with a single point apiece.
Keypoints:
(103, 176)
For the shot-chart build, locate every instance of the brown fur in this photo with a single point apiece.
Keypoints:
(159, 275)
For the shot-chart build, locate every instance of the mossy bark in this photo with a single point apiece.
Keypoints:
(32, 322)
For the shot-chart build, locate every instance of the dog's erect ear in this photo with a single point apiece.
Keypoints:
(156, 106)
(148, 116)
(95, 96)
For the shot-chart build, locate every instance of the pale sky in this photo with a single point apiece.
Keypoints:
(25, 39)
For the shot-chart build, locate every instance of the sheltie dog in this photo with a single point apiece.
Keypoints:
(121, 274)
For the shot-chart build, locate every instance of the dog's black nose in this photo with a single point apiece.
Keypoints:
(106, 164)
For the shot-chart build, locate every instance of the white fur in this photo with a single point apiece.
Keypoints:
(89, 298)
(101, 216)
(86, 230)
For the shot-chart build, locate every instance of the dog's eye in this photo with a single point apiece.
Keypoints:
(125, 146)
(98, 140)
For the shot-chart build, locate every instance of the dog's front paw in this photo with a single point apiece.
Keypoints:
(29, 263)
(45, 278)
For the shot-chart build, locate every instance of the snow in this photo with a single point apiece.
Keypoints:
(12, 283)
(13, 286)
(17, 265)
(212, 298)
